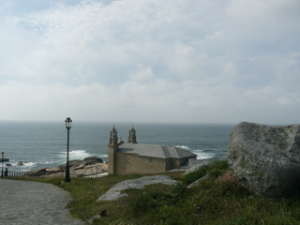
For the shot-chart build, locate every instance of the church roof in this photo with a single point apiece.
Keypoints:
(113, 129)
(132, 129)
(155, 151)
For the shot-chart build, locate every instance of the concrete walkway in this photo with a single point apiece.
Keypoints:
(33, 203)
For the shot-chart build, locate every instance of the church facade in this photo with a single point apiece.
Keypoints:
(131, 157)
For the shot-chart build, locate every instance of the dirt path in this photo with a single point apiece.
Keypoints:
(31, 203)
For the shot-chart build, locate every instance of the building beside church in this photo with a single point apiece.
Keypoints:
(131, 157)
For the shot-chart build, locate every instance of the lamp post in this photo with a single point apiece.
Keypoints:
(68, 122)
(2, 162)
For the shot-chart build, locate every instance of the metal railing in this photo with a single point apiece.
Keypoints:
(42, 174)
(45, 174)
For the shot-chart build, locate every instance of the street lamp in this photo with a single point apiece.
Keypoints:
(68, 122)
(2, 162)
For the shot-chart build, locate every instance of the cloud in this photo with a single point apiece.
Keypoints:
(164, 61)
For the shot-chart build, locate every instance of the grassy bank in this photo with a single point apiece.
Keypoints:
(216, 200)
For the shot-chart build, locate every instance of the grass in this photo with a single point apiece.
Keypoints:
(219, 199)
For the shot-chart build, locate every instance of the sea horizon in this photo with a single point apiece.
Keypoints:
(43, 144)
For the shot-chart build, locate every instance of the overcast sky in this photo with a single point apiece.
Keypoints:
(196, 61)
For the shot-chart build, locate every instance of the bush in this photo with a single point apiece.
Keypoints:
(221, 165)
(179, 189)
(195, 175)
(142, 203)
(215, 172)
(217, 168)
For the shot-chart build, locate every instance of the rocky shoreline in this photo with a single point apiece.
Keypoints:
(88, 166)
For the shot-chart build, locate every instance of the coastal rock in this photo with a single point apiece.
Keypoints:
(44, 171)
(79, 164)
(76, 167)
(115, 191)
(37, 172)
(21, 163)
(92, 169)
(266, 159)
(8, 164)
(53, 169)
(72, 164)
(93, 159)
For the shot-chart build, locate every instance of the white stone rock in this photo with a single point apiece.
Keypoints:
(112, 196)
(266, 158)
(114, 192)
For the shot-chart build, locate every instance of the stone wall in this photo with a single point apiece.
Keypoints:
(111, 158)
(131, 163)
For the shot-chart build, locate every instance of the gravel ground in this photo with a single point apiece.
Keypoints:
(31, 203)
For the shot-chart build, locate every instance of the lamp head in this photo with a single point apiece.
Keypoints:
(68, 122)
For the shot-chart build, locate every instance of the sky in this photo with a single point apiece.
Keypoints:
(172, 61)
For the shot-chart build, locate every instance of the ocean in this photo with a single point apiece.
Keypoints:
(43, 144)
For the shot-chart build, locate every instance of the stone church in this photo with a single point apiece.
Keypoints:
(131, 157)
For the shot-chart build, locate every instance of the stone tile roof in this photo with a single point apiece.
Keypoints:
(155, 151)
(191, 162)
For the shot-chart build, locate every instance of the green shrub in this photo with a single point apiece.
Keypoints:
(179, 189)
(217, 168)
(221, 165)
(195, 175)
(142, 203)
(215, 172)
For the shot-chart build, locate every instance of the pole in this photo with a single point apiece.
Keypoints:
(68, 170)
(2, 166)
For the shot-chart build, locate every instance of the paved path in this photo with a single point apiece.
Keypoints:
(33, 203)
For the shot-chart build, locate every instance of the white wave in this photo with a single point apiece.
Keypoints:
(76, 154)
(25, 164)
(198, 150)
(203, 155)
(102, 155)
(183, 146)
(46, 163)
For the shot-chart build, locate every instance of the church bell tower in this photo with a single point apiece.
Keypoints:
(132, 136)
(112, 148)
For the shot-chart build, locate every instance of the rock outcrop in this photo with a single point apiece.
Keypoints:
(80, 164)
(88, 166)
(266, 158)
(93, 159)
(115, 191)
(72, 164)
(44, 171)
(21, 163)
(91, 169)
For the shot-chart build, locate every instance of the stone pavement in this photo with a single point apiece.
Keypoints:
(34, 203)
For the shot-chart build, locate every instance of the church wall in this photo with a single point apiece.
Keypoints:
(151, 165)
(111, 158)
(169, 164)
(130, 163)
(175, 163)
